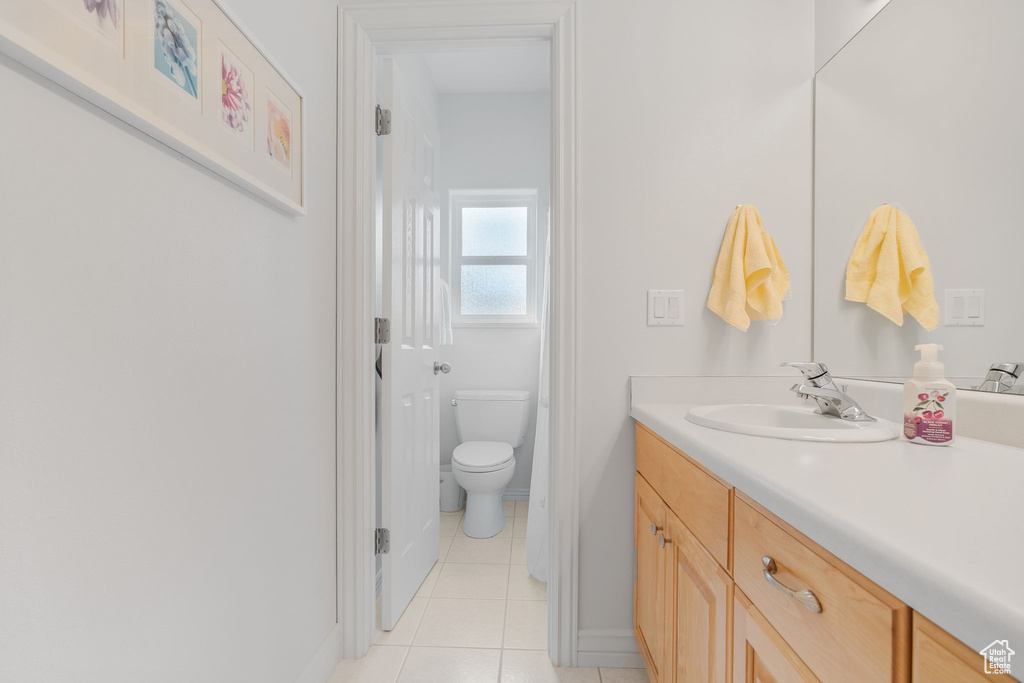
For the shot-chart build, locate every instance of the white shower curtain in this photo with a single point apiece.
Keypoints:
(537, 524)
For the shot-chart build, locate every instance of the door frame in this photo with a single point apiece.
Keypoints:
(364, 32)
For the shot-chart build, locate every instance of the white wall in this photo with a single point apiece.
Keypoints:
(167, 420)
(493, 141)
(916, 111)
(837, 21)
(166, 482)
(685, 111)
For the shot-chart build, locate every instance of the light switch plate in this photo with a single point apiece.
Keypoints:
(665, 307)
(965, 307)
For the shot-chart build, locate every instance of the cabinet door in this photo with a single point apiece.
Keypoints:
(650, 588)
(760, 655)
(940, 658)
(700, 597)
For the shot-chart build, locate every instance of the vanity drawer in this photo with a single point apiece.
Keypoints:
(697, 497)
(861, 634)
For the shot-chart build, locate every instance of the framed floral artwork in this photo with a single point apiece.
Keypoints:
(176, 47)
(185, 72)
(236, 94)
(279, 132)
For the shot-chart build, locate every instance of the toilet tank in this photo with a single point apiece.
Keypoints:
(492, 415)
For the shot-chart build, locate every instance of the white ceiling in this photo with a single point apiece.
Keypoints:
(495, 70)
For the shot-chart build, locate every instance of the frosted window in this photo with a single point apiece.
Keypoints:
(493, 290)
(494, 231)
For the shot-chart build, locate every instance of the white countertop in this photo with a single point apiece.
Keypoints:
(941, 528)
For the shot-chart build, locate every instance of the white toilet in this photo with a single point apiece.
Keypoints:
(490, 424)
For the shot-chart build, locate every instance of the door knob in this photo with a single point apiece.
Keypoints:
(442, 367)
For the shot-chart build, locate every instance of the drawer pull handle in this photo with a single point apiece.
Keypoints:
(805, 598)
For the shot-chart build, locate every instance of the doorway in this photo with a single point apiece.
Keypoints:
(367, 34)
(464, 193)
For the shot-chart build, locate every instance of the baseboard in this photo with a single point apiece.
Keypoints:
(516, 494)
(610, 660)
(324, 660)
(609, 648)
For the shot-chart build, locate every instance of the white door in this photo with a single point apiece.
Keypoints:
(410, 466)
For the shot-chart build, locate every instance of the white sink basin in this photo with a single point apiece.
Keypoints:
(798, 423)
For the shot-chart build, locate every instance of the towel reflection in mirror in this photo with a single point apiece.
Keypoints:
(889, 269)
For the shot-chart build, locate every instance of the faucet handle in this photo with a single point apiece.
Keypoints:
(812, 371)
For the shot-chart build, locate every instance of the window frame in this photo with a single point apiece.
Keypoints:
(505, 198)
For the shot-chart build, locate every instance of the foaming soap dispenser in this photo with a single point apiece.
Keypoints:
(929, 401)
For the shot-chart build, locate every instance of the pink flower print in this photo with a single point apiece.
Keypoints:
(234, 98)
(279, 135)
(922, 397)
(104, 9)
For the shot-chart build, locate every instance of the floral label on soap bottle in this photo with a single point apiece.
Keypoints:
(928, 420)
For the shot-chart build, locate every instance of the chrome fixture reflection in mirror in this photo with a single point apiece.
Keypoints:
(1004, 378)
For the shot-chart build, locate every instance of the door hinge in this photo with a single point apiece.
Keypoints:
(383, 121)
(382, 541)
(381, 330)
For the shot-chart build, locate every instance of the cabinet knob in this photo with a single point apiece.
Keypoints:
(654, 529)
(662, 541)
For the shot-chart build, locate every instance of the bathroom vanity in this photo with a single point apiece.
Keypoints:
(770, 560)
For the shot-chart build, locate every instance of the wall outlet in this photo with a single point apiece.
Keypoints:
(965, 307)
(665, 307)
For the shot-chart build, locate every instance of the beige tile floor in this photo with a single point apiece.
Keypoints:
(479, 617)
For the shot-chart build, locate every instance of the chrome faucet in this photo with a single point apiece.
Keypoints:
(830, 399)
(1004, 378)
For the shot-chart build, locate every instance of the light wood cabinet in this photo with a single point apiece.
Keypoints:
(859, 633)
(697, 496)
(649, 594)
(700, 601)
(760, 655)
(709, 608)
(940, 658)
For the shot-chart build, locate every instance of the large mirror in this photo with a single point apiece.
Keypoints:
(924, 110)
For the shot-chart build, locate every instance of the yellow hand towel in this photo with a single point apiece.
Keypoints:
(889, 269)
(750, 278)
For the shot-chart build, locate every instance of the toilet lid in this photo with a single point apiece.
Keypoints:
(482, 455)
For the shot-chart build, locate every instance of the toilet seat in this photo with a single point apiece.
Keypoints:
(482, 456)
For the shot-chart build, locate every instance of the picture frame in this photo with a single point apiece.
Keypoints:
(187, 73)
